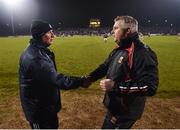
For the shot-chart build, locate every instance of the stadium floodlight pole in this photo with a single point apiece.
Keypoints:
(12, 4)
(12, 22)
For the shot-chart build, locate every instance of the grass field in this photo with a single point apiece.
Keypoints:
(78, 56)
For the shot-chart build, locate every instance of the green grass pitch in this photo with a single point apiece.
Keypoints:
(79, 55)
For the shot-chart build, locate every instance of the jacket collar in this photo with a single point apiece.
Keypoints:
(39, 44)
(126, 43)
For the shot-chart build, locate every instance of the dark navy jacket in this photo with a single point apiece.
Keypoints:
(40, 82)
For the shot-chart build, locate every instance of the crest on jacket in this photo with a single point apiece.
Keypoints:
(120, 59)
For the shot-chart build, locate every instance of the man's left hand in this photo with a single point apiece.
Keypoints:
(106, 84)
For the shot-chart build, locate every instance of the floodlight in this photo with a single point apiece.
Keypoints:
(12, 3)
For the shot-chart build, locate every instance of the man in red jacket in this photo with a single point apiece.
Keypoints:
(131, 75)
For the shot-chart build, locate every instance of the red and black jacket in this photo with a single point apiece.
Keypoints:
(134, 68)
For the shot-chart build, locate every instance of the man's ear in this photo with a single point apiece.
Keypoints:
(128, 32)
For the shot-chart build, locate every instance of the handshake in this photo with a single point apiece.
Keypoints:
(105, 84)
(86, 81)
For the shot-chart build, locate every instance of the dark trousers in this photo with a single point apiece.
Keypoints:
(45, 122)
(111, 122)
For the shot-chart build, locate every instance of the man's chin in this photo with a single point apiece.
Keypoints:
(116, 41)
(51, 42)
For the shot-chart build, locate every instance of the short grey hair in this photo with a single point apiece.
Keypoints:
(127, 22)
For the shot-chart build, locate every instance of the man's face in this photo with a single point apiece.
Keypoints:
(118, 32)
(48, 38)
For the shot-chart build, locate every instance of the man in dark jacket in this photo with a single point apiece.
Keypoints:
(131, 75)
(39, 80)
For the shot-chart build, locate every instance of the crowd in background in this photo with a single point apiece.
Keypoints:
(95, 31)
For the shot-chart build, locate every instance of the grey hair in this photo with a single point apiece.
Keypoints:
(127, 22)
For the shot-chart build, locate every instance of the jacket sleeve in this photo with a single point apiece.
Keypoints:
(45, 73)
(145, 79)
(102, 69)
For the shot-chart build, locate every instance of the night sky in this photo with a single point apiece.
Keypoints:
(76, 13)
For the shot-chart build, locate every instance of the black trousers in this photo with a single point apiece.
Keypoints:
(45, 122)
(111, 122)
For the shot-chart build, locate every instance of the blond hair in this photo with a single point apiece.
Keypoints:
(127, 22)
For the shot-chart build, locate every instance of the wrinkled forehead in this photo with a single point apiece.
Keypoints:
(121, 24)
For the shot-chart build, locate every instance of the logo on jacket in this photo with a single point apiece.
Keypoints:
(120, 59)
